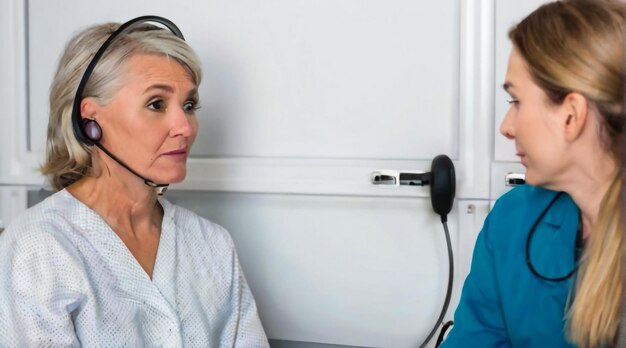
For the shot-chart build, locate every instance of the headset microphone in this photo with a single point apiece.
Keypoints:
(88, 131)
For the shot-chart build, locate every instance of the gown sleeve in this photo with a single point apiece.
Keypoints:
(38, 291)
(243, 326)
(250, 331)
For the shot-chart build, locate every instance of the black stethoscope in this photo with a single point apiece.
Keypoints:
(577, 247)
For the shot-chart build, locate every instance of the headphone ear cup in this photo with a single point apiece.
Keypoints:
(92, 130)
(442, 185)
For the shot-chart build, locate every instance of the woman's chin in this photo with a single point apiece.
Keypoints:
(173, 178)
(533, 180)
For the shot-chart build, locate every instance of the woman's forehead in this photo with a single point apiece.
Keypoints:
(157, 68)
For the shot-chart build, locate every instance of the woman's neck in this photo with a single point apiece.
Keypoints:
(588, 188)
(129, 208)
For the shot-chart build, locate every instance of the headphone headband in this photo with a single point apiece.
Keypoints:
(76, 116)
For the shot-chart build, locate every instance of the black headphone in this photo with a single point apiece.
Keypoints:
(578, 246)
(88, 131)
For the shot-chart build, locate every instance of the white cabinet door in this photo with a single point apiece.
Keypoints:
(18, 161)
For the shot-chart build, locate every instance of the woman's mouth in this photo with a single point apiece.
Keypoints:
(177, 154)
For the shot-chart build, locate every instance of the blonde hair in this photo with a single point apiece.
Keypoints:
(576, 46)
(68, 160)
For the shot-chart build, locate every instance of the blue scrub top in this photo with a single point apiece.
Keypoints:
(503, 304)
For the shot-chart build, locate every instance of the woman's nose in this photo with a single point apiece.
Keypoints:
(183, 124)
(506, 127)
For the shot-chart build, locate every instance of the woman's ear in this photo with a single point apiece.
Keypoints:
(88, 108)
(576, 109)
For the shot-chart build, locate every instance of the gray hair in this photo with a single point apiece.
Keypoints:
(68, 160)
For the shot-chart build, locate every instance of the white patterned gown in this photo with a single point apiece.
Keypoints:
(66, 279)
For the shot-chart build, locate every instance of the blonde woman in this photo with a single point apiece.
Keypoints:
(105, 261)
(546, 270)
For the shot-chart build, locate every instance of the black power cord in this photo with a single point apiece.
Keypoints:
(442, 333)
(446, 302)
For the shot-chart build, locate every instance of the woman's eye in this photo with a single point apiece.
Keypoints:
(513, 101)
(156, 105)
(190, 107)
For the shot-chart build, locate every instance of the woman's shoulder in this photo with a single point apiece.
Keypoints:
(516, 211)
(37, 238)
(525, 193)
(526, 200)
(43, 219)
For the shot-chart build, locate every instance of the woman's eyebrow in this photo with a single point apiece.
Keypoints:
(193, 93)
(507, 85)
(163, 87)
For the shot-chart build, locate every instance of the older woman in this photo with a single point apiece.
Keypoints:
(547, 267)
(105, 261)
